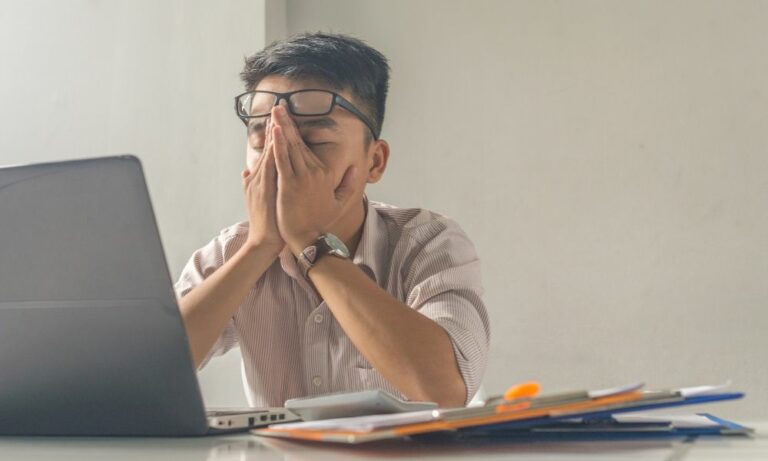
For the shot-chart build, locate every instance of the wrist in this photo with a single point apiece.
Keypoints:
(253, 247)
(300, 243)
(319, 248)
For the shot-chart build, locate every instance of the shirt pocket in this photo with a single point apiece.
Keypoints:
(358, 379)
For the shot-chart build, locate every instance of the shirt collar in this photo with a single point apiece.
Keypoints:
(370, 252)
(374, 243)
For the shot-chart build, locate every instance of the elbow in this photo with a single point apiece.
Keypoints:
(457, 396)
(452, 394)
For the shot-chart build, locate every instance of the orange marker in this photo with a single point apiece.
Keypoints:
(522, 391)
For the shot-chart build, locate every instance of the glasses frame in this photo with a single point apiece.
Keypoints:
(338, 100)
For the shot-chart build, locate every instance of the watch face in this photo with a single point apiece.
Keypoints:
(337, 244)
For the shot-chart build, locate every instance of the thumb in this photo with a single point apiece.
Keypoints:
(346, 188)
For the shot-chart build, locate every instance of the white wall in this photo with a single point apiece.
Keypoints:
(155, 78)
(608, 159)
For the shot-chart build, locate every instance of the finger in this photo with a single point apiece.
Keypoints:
(347, 187)
(253, 173)
(291, 131)
(301, 156)
(268, 143)
(312, 160)
(270, 174)
(259, 159)
(294, 152)
(268, 130)
(282, 161)
(268, 152)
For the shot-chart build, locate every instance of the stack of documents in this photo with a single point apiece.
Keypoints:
(619, 426)
(521, 414)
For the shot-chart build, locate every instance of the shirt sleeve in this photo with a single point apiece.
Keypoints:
(443, 282)
(200, 266)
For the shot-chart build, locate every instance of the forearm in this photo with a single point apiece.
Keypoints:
(411, 351)
(208, 307)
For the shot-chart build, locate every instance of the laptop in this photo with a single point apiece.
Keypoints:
(91, 337)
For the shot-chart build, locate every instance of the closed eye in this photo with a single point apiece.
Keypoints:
(319, 144)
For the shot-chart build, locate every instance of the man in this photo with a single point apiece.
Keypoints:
(323, 290)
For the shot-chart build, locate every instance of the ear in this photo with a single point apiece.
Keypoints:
(377, 164)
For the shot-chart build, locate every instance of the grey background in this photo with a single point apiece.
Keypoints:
(607, 157)
(85, 78)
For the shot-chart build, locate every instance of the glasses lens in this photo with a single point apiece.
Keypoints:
(256, 104)
(311, 103)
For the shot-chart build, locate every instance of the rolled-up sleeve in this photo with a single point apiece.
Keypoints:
(200, 266)
(443, 282)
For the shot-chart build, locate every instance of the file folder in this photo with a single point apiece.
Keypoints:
(499, 419)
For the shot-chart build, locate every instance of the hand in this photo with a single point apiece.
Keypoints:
(309, 199)
(260, 187)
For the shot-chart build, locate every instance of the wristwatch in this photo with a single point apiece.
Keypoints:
(326, 244)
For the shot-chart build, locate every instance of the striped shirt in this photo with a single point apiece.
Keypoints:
(290, 342)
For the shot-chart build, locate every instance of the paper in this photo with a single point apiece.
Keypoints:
(678, 421)
(614, 390)
(363, 423)
(702, 390)
(617, 405)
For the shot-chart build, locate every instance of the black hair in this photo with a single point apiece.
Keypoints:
(341, 61)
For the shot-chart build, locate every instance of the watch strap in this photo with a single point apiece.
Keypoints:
(311, 254)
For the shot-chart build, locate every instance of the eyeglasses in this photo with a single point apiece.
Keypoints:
(254, 104)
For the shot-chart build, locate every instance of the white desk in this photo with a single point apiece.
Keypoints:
(245, 447)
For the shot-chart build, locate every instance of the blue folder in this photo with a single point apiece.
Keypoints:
(600, 425)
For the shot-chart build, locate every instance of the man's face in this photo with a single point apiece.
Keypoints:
(337, 139)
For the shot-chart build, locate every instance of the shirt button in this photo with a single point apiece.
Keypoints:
(318, 318)
(317, 381)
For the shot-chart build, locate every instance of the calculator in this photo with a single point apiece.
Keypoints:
(347, 404)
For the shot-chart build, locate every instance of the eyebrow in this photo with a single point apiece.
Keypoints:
(323, 122)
